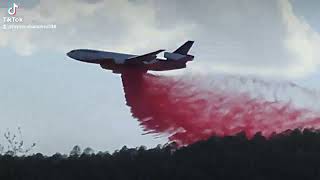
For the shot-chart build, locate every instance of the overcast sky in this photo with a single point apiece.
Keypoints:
(59, 102)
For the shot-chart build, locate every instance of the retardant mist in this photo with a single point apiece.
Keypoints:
(188, 110)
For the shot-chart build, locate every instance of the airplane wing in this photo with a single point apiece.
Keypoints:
(143, 58)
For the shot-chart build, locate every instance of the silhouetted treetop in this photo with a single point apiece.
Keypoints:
(290, 155)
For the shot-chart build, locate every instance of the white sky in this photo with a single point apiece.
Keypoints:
(59, 102)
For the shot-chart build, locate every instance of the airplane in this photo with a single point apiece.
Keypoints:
(118, 62)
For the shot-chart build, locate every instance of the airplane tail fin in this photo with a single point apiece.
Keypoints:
(184, 49)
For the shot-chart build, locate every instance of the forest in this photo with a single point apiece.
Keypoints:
(294, 154)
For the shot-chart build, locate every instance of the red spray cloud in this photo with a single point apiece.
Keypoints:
(187, 112)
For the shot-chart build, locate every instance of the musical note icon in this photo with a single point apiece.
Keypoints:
(13, 10)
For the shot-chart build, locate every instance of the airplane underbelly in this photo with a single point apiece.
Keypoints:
(165, 66)
(120, 68)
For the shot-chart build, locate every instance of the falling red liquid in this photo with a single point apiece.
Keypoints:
(188, 113)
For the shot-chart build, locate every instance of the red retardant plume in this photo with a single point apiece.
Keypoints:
(187, 112)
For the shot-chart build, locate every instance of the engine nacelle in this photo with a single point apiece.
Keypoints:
(174, 56)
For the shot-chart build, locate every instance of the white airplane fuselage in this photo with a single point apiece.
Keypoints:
(97, 57)
(116, 61)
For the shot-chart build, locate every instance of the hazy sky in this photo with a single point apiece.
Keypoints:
(59, 102)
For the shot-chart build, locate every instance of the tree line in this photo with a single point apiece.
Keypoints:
(289, 155)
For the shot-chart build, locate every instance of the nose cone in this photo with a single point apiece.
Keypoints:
(84, 55)
(69, 54)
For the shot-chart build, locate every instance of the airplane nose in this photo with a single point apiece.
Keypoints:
(69, 54)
